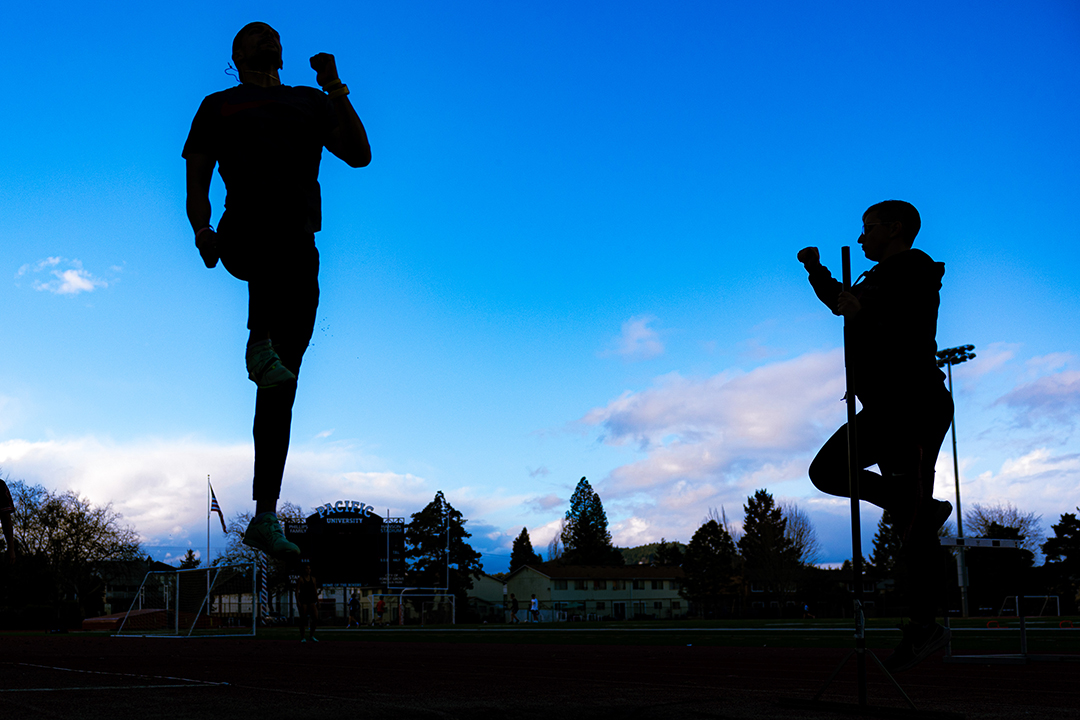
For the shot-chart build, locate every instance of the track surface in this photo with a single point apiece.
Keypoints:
(409, 677)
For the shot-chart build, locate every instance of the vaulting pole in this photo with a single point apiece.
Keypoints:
(853, 491)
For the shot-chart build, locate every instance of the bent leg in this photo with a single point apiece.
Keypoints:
(829, 469)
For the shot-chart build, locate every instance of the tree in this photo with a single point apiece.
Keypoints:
(522, 552)
(65, 536)
(555, 547)
(426, 549)
(711, 565)
(720, 516)
(189, 561)
(799, 529)
(885, 556)
(768, 553)
(1064, 547)
(1063, 558)
(979, 518)
(277, 572)
(670, 554)
(585, 538)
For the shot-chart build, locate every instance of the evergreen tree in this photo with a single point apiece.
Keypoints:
(1064, 548)
(711, 565)
(885, 557)
(426, 548)
(1063, 560)
(523, 553)
(189, 561)
(769, 555)
(585, 539)
(669, 554)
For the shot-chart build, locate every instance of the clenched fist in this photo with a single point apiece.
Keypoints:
(325, 69)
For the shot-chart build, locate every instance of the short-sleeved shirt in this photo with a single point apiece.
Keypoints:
(268, 144)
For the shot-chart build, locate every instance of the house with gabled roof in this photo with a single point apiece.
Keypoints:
(588, 592)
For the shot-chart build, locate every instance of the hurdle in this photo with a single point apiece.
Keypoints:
(1021, 658)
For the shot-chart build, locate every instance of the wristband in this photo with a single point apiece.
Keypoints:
(337, 92)
(200, 231)
(333, 86)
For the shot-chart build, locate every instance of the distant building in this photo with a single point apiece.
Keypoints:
(585, 592)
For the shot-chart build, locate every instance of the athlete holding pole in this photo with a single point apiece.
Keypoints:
(891, 326)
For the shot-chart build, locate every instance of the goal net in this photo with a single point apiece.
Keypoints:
(414, 609)
(219, 600)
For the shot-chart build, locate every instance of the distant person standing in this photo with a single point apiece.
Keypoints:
(380, 608)
(891, 319)
(266, 140)
(307, 601)
(514, 608)
(534, 609)
(354, 611)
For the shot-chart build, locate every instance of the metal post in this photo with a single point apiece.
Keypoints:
(948, 358)
(961, 564)
(853, 491)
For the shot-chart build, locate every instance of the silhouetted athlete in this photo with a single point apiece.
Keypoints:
(266, 140)
(892, 319)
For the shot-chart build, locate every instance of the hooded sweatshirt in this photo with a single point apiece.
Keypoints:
(892, 341)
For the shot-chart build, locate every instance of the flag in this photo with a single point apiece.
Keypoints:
(214, 507)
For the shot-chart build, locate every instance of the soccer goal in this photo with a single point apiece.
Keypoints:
(416, 609)
(204, 602)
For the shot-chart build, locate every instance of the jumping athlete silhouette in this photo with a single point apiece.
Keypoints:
(266, 140)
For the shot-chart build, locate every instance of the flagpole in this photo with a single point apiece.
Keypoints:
(207, 564)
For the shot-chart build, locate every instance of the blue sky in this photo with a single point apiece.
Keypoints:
(573, 254)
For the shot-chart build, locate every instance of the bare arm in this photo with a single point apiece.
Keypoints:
(348, 140)
(200, 171)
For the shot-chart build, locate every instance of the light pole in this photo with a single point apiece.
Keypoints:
(947, 358)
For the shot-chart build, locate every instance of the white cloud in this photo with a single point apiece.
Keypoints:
(1039, 481)
(159, 485)
(70, 280)
(637, 341)
(710, 442)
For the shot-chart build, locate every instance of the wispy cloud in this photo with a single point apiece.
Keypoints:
(1053, 396)
(637, 341)
(68, 277)
(546, 503)
(708, 442)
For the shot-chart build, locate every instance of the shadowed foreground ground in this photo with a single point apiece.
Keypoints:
(104, 677)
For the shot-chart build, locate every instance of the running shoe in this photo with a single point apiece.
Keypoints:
(919, 642)
(265, 367)
(264, 533)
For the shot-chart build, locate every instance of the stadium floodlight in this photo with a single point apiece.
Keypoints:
(947, 358)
